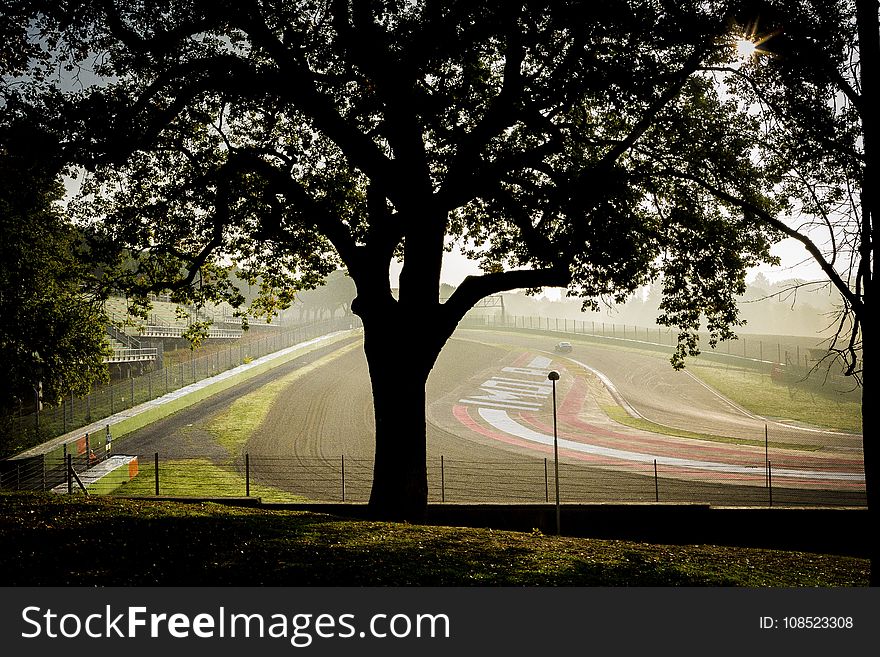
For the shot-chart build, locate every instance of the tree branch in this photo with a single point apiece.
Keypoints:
(387, 76)
(500, 113)
(327, 222)
(644, 124)
(474, 288)
(768, 219)
(295, 82)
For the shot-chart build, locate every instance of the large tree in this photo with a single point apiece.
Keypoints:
(812, 78)
(52, 334)
(292, 137)
(337, 293)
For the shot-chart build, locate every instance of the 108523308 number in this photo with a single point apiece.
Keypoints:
(807, 623)
(817, 622)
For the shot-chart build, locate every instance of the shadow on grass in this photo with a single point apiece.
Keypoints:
(110, 542)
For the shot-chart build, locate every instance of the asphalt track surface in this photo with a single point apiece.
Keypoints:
(489, 417)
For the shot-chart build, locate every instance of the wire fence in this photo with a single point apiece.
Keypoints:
(793, 360)
(797, 356)
(508, 480)
(106, 400)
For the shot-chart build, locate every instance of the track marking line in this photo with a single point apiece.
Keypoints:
(501, 421)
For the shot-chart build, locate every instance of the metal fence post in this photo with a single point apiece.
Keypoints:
(546, 482)
(69, 471)
(247, 475)
(770, 481)
(656, 483)
(156, 464)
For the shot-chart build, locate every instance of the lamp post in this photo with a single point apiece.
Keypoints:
(554, 377)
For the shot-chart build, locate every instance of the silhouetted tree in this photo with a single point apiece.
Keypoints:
(294, 137)
(52, 334)
(336, 293)
(814, 82)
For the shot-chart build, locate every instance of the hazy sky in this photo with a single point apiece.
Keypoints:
(796, 263)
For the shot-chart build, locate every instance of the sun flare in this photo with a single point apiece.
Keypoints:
(747, 42)
(745, 49)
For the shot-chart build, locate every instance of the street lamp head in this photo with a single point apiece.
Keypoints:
(553, 375)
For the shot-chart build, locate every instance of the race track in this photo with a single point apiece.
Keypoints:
(490, 419)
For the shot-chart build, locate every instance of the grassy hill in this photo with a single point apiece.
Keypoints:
(53, 540)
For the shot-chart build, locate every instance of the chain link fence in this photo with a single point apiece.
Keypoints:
(801, 358)
(507, 480)
(510, 479)
(106, 400)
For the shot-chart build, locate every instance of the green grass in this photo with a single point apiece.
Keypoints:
(199, 478)
(162, 543)
(754, 391)
(240, 421)
(100, 405)
(618, 414)
(758, 393)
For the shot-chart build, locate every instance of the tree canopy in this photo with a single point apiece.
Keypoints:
(51, 332)
(814, 83)
(571, 141)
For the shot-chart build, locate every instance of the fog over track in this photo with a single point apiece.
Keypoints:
(481, 375)
(329, 413)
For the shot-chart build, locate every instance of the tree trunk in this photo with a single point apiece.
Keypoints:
(869, 69)
(399, 361)
(872, 476)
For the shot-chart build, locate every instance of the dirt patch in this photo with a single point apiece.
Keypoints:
(318, 439)
(184, 434)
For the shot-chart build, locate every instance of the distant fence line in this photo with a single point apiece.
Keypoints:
(106, 400)
(76, 412)
(750, 351)
(343, 479)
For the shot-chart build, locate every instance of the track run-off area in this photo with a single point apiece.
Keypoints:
(490, 430)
